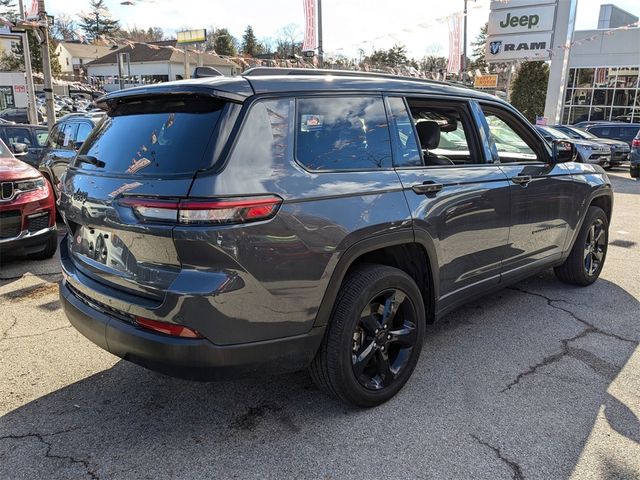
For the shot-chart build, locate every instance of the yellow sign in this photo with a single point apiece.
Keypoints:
(486, 81)
(191, 36)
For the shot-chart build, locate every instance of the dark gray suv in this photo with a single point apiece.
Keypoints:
(268, 223)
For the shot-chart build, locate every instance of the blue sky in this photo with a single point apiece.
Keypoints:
(348, 24)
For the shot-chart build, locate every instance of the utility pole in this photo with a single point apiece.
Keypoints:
(186, 63)
(32, 112)
(320, 50)
(46, 66)
(464, 45)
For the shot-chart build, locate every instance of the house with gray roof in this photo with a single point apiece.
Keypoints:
(73, 56)
(153, 62)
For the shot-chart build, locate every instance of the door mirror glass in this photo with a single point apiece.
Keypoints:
(564, 151)
(20, 148)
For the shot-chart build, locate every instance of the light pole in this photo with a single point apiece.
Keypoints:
(320, 48)
(463, 64)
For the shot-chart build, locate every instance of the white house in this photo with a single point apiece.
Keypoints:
(73, 57)
(8, 40)
(152, 63)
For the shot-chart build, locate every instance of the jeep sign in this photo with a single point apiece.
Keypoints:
(534, 46)
(522, 20)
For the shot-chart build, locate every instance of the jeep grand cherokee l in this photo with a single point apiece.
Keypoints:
(284, 219)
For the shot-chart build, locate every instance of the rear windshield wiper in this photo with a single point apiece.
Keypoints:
(91, 159)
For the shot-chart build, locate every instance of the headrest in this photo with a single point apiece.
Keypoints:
(429, 134)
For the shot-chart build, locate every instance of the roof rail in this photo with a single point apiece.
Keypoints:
(256, 71)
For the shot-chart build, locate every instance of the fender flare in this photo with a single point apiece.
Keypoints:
(359, 248)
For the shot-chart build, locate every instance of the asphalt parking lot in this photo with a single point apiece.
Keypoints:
(540, 380)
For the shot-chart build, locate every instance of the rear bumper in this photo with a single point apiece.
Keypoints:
(196, 359)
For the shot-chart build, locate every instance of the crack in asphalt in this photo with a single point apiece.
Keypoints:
(593, 361)
(515, 468)
(5, 333)
(32, 334)
(40, 437)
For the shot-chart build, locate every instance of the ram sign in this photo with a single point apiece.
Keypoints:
(533, 46)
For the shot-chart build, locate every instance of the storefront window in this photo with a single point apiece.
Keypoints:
(602, 93)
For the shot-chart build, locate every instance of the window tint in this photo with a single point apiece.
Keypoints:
(408, 154)
(84, 129)
(264, 136)
(67, 134)
(42, 136)
(52, 141)
(155, 136)
(511, 146)
(444, 133)
(606, 132)
(628, 133)
(18, 135)
(346, 133)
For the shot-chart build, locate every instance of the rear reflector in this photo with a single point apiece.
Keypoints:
(167, 328)
(189, 212)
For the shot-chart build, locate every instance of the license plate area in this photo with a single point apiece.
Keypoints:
(101, 246)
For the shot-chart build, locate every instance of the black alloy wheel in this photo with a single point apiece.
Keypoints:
(595, 247)
(383, 339)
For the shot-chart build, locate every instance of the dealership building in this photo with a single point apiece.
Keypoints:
(602, 82)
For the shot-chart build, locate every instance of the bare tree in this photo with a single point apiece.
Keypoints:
(64, 28)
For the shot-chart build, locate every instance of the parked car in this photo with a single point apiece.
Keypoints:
(227, 226)
(19, 115)
(27, 210)
(619, 149)
(588, 151)
(625, 132)
(66, 137)
(634, 157)
(25, 141)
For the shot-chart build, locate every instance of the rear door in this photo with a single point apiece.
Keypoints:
(459, 201)
(144, 152)
(542, 203)
(61, 150)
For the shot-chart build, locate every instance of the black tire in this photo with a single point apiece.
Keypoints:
(584, 264)
(334, 367)
(49, 250)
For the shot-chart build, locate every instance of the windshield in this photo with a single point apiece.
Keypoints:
(557, 134)
(153, 136)
(583, 133)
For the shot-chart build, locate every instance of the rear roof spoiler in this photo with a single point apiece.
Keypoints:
(235, 90)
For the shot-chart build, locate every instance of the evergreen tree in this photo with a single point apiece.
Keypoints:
(479, 46)
(98, 21)
(224, 43)
(250, 45)
(530, 89)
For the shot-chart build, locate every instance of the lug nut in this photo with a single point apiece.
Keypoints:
(388, 337)
(377, 331)
(382, 348)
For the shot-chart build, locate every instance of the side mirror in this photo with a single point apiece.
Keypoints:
(564, 151)
(20, 149)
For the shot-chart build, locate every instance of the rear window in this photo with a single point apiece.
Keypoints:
(155, 136)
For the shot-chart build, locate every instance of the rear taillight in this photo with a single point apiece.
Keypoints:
(167, 328)
(635, 143)
(192, 212)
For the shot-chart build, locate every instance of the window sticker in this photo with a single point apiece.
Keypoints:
(311, 122)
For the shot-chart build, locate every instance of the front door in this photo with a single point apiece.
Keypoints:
(459, 202)
(541, 192)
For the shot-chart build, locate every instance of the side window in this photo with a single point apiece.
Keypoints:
(84, 129)
(408, 151)
(510, 137)
(605, 132)
(52, 141)
(264, 135)
(342, 133)
(67, 135)
(42, 136)
(444, 133)
(18, 135)
(628, 133)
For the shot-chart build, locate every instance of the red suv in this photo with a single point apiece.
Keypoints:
(27, 210)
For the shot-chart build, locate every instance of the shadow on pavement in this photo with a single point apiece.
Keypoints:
(501, 384)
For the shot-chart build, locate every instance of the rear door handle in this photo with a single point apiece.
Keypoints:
(427, 188)
(521, 180)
